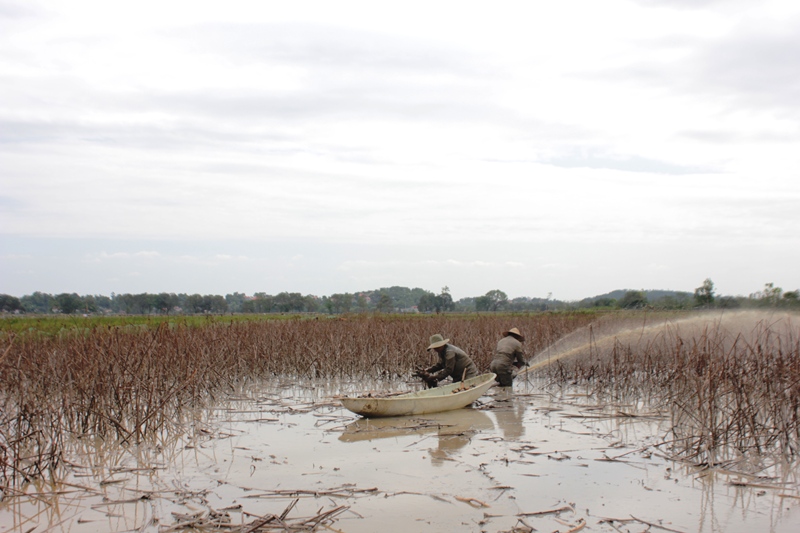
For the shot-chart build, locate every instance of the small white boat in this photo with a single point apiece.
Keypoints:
(437, 400)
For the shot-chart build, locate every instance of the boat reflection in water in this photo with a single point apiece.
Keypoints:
(454, 429)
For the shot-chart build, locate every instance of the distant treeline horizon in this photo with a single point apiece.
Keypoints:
(394, 299)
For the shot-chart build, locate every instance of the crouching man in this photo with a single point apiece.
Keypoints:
(509, 357)
(453, 362)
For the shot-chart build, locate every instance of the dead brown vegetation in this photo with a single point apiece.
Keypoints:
(731, 383)
(127, 383)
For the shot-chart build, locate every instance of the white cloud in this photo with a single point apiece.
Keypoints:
(428, 263)
(228, 257)
(495, 135)
(97, 257)
(103, 256)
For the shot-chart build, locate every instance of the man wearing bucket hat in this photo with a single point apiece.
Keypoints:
(453, 362)
(508, 357)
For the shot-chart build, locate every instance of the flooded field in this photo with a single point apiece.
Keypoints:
(629, 422)
(287, 457)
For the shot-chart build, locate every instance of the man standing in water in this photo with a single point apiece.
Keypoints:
(508, 357)
(453, 362)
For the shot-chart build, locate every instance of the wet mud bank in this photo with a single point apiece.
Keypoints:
(287, 456)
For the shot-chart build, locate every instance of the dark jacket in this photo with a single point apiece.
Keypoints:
(452, 362)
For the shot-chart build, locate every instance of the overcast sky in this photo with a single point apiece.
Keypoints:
(564, 148)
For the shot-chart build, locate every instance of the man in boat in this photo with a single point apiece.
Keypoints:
(508, 357)
(453, 362)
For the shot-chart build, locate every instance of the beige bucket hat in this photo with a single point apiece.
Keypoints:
(437, 341)
(515, 332)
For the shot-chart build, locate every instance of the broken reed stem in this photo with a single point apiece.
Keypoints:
(473, 502)
(549, 511)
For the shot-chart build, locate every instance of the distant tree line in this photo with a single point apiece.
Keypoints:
(704, 297)
(385, 300)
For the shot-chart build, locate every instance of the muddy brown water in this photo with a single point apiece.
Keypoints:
(516, 459)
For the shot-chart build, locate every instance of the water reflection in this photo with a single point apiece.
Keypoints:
(509, 412)
(104, 485)
(291, 438)
(454, 430)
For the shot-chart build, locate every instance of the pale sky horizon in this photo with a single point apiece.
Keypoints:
(541, 148)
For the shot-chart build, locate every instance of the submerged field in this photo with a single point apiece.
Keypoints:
(717, 395)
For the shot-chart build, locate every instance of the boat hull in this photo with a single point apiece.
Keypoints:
(436, 400)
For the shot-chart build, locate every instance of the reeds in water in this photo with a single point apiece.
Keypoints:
(731, 383)
(127, 383)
